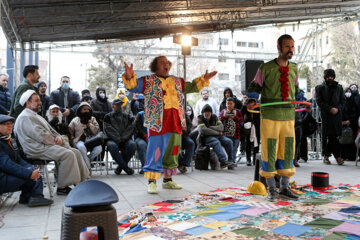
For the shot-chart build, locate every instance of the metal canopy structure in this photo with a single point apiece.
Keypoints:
(65, 20)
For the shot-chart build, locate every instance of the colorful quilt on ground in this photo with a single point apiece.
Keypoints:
(232, 213)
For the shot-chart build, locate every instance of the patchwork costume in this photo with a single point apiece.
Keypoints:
(164, 118)
(277, 132)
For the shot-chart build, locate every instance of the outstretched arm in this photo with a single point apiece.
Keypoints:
(130, 81)
(199, 83)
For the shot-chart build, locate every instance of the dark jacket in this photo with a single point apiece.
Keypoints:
(5, 100)
(100, 107)
(16, 108)
(45, 104)
(238, 103)
(328, 97)
(118, 127)
(11, 163)
(254, 118)
(73, 101)
(139, 130)
(211, 127)
(349, 112)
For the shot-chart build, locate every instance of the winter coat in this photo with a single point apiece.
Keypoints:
(16, 108)
(238, 119)
(11, 163)
(73, 99)
(58, 124)
(238, 103)
(211, 127)
(118, 127)
(5, 100)
(45, 104)
(139, 130)
(327, 98)
(254, 118)
(100, 107)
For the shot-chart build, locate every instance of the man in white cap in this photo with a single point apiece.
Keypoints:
(40, 140)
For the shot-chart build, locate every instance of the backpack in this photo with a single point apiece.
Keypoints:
(202, 157)
(309, 125)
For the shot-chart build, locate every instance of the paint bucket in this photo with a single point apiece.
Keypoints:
(320, 180)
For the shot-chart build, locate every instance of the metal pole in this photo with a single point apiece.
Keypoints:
(49, 88)
(184, 67)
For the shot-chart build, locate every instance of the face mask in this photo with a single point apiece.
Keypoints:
(65, 86)
(347, 94)
(118, 109)
(102, 95)
(189, 113)
(85, 117)
(121, 96)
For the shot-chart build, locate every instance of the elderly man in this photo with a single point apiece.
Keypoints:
(40, 140)
(15, 173)
(5, 95)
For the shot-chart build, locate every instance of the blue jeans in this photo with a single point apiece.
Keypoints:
(236, 143)
(141, 146)
(216, 142)
(189, 146)
(127, 152)
(93, 154)
(28, 187)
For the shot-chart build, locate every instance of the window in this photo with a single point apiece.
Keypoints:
(238, 60)
(223, 76)
(221, 59)
(237, 78)
(224, 41)
(253, 45)
(205, 41)
(241, 44)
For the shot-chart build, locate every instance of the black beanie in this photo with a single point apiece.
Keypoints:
(206, 108)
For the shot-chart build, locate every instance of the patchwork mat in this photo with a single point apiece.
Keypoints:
(232, 213)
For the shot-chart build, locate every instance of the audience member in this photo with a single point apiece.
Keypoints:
(45, 99)
(233, 121)
(40, 140)
(137, 103)
(228, 93)
(15, 173)
(56, 121)
(100, 106)
(5, 95)
(203, 101)
(67, 99)
(330, 98)
(31, 75)
(211, 134)
(82, 126)
(121, 94)
(141, 138)
(119, 130)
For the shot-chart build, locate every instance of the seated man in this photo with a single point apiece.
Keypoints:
(119, 130)
(15, 173)
(211, 134)
(40, 140)
(56, 120)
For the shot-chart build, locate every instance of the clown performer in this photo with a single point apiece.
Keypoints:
(277, 81)
(164, 117)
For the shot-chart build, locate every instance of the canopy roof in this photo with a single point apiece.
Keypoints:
(65, 20)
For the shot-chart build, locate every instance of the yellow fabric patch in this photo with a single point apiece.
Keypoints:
(216, 225)
(201, 82)
(170, 97)
(286, 172)
(152, 175)
(267, 174)
(131, 83)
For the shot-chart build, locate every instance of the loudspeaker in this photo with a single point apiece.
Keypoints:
(248, 72)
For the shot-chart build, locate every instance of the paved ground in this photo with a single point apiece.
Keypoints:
(18, 222)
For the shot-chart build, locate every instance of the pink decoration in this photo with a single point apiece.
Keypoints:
(170, 172)
(157, 154)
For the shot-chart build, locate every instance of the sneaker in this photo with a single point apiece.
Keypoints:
(326, 160)
(231, 167)
(63, 191)
(302, 161)
(248, 162)
(273, 195)
(171, 185)
(37, 201)
(296, 164)
(288, 194)
(129, 171)
(23, 200)
(225, 164)
(118, 170)
(182, 168)
(152, 188)
(339, 161)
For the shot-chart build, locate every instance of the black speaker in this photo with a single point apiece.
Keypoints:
(248, 72)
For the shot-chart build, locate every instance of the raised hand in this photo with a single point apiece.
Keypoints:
(128, 71)
(207, 75)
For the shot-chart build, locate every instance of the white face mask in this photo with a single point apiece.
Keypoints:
(121, 96)
(102, 95)
(347, 94)
(188, 113)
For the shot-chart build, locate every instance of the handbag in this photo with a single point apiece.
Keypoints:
(92, 141)
(347, 136)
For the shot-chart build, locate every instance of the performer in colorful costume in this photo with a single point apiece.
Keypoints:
(164, 117)
(277, 80)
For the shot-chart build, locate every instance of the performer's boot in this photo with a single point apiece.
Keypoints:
(288, 194)
(273, 194)
(152, 187)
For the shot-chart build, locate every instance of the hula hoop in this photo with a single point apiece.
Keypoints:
(253, 111)
(300, 109)
(288, 102)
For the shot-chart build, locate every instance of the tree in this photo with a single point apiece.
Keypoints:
(346, 57)
(304, 72)
(102, 76)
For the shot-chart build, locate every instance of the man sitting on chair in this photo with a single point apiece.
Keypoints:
(40, 140)
(15, 173)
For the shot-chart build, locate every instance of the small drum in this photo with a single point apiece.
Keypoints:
(320, 180)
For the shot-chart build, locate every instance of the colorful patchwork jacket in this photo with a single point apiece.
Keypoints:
(163, 91)
(267, 82)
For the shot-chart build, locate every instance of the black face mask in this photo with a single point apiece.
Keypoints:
(118, 109)
(85, 117)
